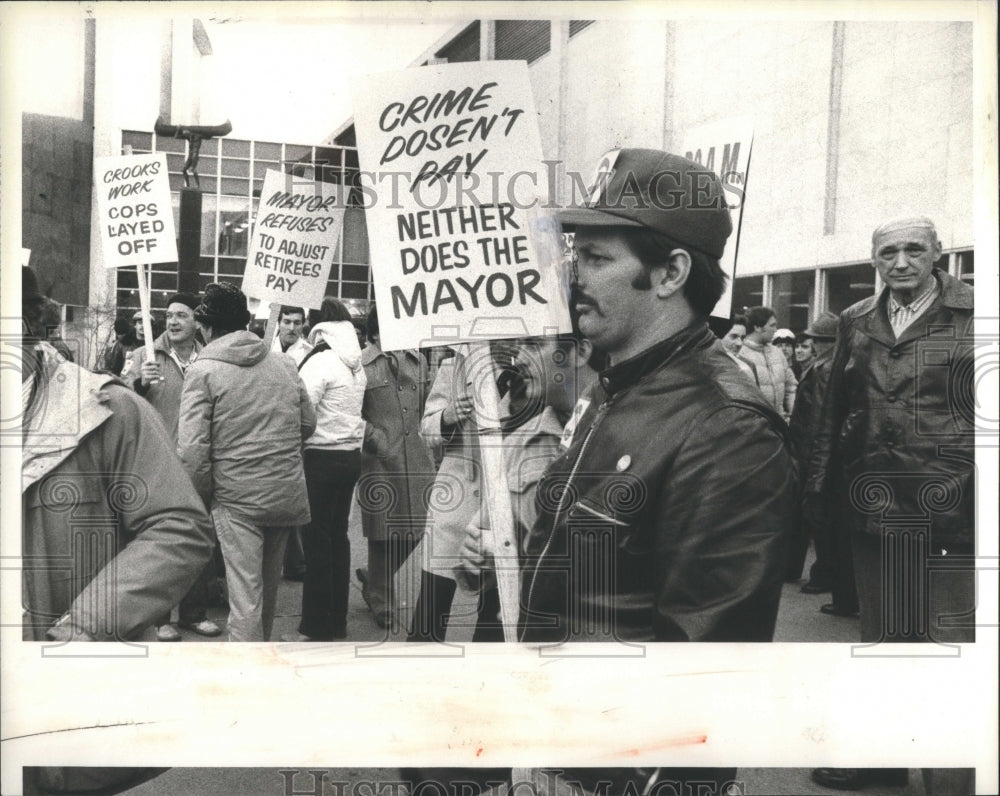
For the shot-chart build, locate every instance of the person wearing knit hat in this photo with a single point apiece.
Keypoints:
(672, 422)
(244, 414)
(784, 341)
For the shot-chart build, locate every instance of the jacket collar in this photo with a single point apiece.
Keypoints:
(69, 403)
(955, 294)
(371, 352)
(627, 373)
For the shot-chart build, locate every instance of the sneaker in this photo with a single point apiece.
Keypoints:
(206, 627)
(167, 633)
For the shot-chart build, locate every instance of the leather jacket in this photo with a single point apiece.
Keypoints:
(897, 427)
(668, 516)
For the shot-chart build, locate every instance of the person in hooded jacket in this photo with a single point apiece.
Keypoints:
(334, 380)
(244, 415)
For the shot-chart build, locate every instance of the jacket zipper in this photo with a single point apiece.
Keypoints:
(559, 509)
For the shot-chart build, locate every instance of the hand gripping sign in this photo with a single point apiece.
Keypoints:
(136, 219)
(452, 169)
(295, 236)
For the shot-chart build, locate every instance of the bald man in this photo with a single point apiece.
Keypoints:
(894, 451)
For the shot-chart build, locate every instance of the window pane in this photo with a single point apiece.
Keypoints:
(208, 205)
(263, 150)
(235, 168)
(140, 142)
(171, 145)
(966, 261)
(748, 291)
(294, 152)
(848, 285)
(234, 147)
(234, 227)
(792, 296)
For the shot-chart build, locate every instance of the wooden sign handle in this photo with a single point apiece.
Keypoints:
(147, 324)
(272, 325)
(494, 488)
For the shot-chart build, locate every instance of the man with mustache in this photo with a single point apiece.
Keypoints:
(667, 517)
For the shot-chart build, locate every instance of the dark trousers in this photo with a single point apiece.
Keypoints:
(904, 597)
(430, 616)
(330, 479)
(845, 589)
(295, 557)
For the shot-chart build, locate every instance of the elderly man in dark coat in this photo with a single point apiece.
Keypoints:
(396, 467)
(897, 428)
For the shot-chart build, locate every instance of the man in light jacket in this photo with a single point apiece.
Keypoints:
(774, 376)
(244, 414)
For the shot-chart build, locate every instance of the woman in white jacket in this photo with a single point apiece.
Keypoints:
(335, 380)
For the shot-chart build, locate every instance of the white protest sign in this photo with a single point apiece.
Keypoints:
(25, 257)
(454, 190)
(134, 210)
(295, 237)
(724, 147)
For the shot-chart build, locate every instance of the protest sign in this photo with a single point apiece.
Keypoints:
(463, 238)
(454, 185)
(134, 210)
(724, 147)
(136, 219)
(295, 236)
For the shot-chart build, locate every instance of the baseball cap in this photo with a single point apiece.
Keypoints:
(660, 191)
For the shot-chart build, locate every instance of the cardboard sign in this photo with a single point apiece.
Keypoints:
(724, 147)
(134, 210)
(455, 190)
(295, 236)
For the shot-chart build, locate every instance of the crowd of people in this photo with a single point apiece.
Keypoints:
(664, 482)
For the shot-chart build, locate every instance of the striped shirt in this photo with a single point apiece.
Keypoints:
(900, 316)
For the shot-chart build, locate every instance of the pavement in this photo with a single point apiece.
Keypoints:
(799, 620)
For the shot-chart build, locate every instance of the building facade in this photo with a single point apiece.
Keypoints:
(854, 122)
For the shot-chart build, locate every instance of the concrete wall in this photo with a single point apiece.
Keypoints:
(905, 121)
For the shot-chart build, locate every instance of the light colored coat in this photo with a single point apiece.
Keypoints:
(334, 380)
(244, 414)
(97, 469)
(774, 377)
(454, 499)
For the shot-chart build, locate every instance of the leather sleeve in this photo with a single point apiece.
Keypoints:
(723, 521)
(832, 410)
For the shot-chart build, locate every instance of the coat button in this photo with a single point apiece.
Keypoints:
(404, 408)
(891, 399)
(895, 353)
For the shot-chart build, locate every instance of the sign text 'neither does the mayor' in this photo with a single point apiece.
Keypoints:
(451, 127)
